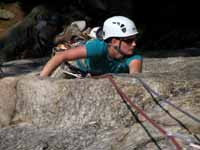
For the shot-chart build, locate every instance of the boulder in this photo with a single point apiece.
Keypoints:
(5, 14)
(7, 100)
(56, 113)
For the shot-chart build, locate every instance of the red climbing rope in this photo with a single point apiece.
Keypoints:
(126, 99)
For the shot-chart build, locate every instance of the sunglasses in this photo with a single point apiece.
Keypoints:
(129, 40)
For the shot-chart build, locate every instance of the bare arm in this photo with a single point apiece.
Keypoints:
(54, 62)
(135, 66)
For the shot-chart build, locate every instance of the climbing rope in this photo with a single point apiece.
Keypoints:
(168, 136)
(187, 140)
(167, 101)
(151, 92)
(126, 99)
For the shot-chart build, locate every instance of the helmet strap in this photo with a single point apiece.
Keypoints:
(118, 48)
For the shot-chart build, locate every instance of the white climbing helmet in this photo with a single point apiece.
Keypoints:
(118, 26)
(93, 32)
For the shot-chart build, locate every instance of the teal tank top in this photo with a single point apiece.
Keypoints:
(98, 62)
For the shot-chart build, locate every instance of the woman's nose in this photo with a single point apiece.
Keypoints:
(133, 43)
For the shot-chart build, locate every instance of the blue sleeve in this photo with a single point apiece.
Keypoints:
(95, 48)
(134, 57)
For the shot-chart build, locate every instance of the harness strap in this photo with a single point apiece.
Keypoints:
(76, 69)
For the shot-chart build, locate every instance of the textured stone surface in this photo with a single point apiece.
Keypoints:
(8, 99)
(56, 114)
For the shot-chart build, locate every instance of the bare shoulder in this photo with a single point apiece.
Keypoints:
(135, 66)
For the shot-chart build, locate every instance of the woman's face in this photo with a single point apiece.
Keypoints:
(123, 47)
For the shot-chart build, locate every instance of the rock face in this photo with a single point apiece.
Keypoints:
(4, 14)
(32, 37)
(89, 114)
(7, 100)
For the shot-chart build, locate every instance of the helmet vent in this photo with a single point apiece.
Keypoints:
(122, 26)
(123, 30)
